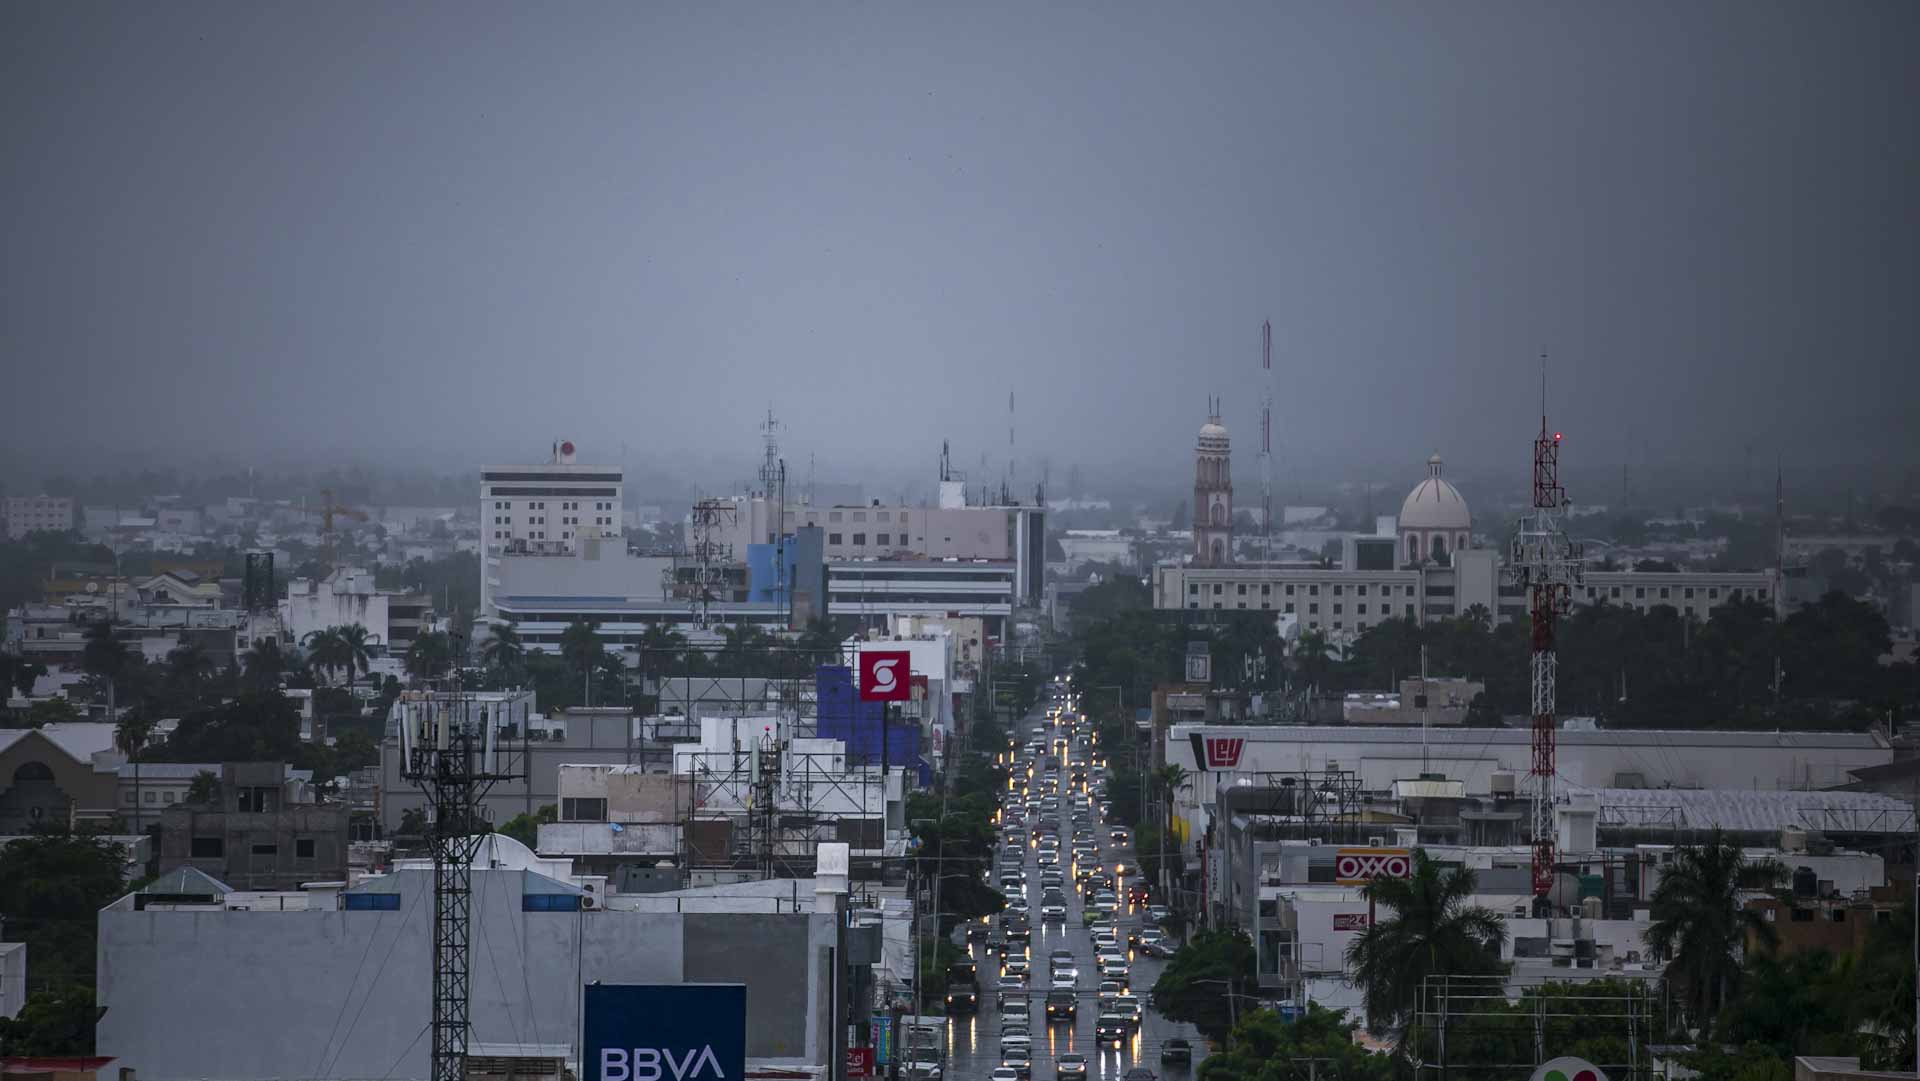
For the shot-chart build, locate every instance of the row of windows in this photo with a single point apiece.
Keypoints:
(1712, 593)
(215, 848)
(861, 516)
(1313, 608)
(883, 540)
(148, 796)
(1311, 589)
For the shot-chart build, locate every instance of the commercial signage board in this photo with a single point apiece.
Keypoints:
(1354, 866)
(1567, 1068)
(665, 1032)
(1349, 921)
(859, 1062)
(886, 676)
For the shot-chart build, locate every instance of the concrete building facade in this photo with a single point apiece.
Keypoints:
(545, 508)
(256, 837)
(26, 514)
(1213, 495)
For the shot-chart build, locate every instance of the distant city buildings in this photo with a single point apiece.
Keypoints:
(21, 515)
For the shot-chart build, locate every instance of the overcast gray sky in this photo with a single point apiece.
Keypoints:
(465, 229)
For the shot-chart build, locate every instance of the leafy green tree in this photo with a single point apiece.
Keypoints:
(326, 650)
(1699, 925)
(1195, 985)
(57, 710)
(581, 648)
(356, 649)
(55, 1022)
(255, 727)
(1431, 931)
(525, 828)
(189, 674)
(105, 656)
(955, 846)
(1317, 1046)
(52, 885)
(130, 737)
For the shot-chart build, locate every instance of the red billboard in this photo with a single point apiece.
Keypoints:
(859, 1062)
(1223, 752)
(886, 676)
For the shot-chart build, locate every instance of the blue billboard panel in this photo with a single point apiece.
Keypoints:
(665, 1032)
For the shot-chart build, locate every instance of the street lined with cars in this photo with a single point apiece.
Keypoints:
(1066, 874)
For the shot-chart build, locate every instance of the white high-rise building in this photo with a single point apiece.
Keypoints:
(544, 510)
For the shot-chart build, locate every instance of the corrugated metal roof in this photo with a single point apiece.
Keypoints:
(1752, 811)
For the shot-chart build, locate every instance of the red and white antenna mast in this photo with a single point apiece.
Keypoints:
(1547, 565)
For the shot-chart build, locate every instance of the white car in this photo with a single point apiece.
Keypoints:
(1053, 913)
(1065, 978)
(1004, 1073)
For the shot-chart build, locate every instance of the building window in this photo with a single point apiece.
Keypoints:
(1616, 591)
(1289, 606)
(1686, 593)
(1313, 591)
(1240, 604)
(859, 516)
(833, 538)
(833, 516)
(207, 848)
(303, 848)
(1336, 608)
(1640, 593)
(1265, 589)
(266, 850)
(1409, 611)
(1216, 589)
(1242, 589)
(1663, 592)
(167, 797)
(1363, 625)
(150, 796)
(371, 902)
(1359, 609)
(1362, 590)
(1289, 589)
(1338, 624)
(127, 796)
(583, 810)
(859, 540)
(1193, 590)
(883, 539)
(1313, 609)
(1336, 591)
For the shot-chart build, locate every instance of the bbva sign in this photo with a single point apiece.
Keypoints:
(665, 1032)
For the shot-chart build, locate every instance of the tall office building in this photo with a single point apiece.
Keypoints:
(544, 510)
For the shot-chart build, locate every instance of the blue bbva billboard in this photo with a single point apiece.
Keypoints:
(665, 1032)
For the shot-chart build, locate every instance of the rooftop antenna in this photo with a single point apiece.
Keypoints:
(1546, 564)
(1006, 490)
(1266, 443)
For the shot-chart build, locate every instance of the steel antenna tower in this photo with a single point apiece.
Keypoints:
(1547, 565)
(452, 751)
(1266, 442)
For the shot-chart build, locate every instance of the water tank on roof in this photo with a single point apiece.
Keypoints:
(1793, 839)
(1503, 783)
(1806, 882)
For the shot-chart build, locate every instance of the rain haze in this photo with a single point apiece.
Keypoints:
(456, 232)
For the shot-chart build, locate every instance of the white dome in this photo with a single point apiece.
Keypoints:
(1435, 504)
(1213, 429)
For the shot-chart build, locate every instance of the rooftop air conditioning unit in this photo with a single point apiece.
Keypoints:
(1376, 841)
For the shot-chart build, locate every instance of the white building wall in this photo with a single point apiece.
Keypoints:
(344, 598)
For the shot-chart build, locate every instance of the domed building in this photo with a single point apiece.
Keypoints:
(1213, 495)
(1434, 519)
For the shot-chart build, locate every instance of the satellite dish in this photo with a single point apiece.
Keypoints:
(1567, 1068)
(93, 587)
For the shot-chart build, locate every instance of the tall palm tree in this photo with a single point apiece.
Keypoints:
(355, 649)
(581, 648)
(1432, 932)
(430, 655)
(1312, 657)
(326, 650)
(189, 669)
(1699, 924)
(504, 652)
(105, 656)
(265, 664)
(130, 737)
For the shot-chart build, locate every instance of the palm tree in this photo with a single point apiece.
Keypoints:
(1699, 924)
(354, 651)
(265, 664)
(1311, 657)
(189, 669)
(430, 656)
(504, 652)
(581, 646)
(130, 737)
(326, 650)
(1432, 932)
(106, 657)
(205, 788)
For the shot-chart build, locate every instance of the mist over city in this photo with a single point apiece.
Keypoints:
(1288, 541)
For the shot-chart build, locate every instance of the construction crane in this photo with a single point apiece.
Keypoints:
(1547, 565)
(326, 510)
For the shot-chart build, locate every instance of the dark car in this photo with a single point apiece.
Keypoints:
(1061, 1005)
(1070, 1067)
(1176, 1049)
(963, 1000)
(1140, 1073)
(1110, 1030)
(1155, 949)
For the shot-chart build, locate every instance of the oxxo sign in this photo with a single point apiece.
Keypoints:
(1354, 866)
(666, 1032)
